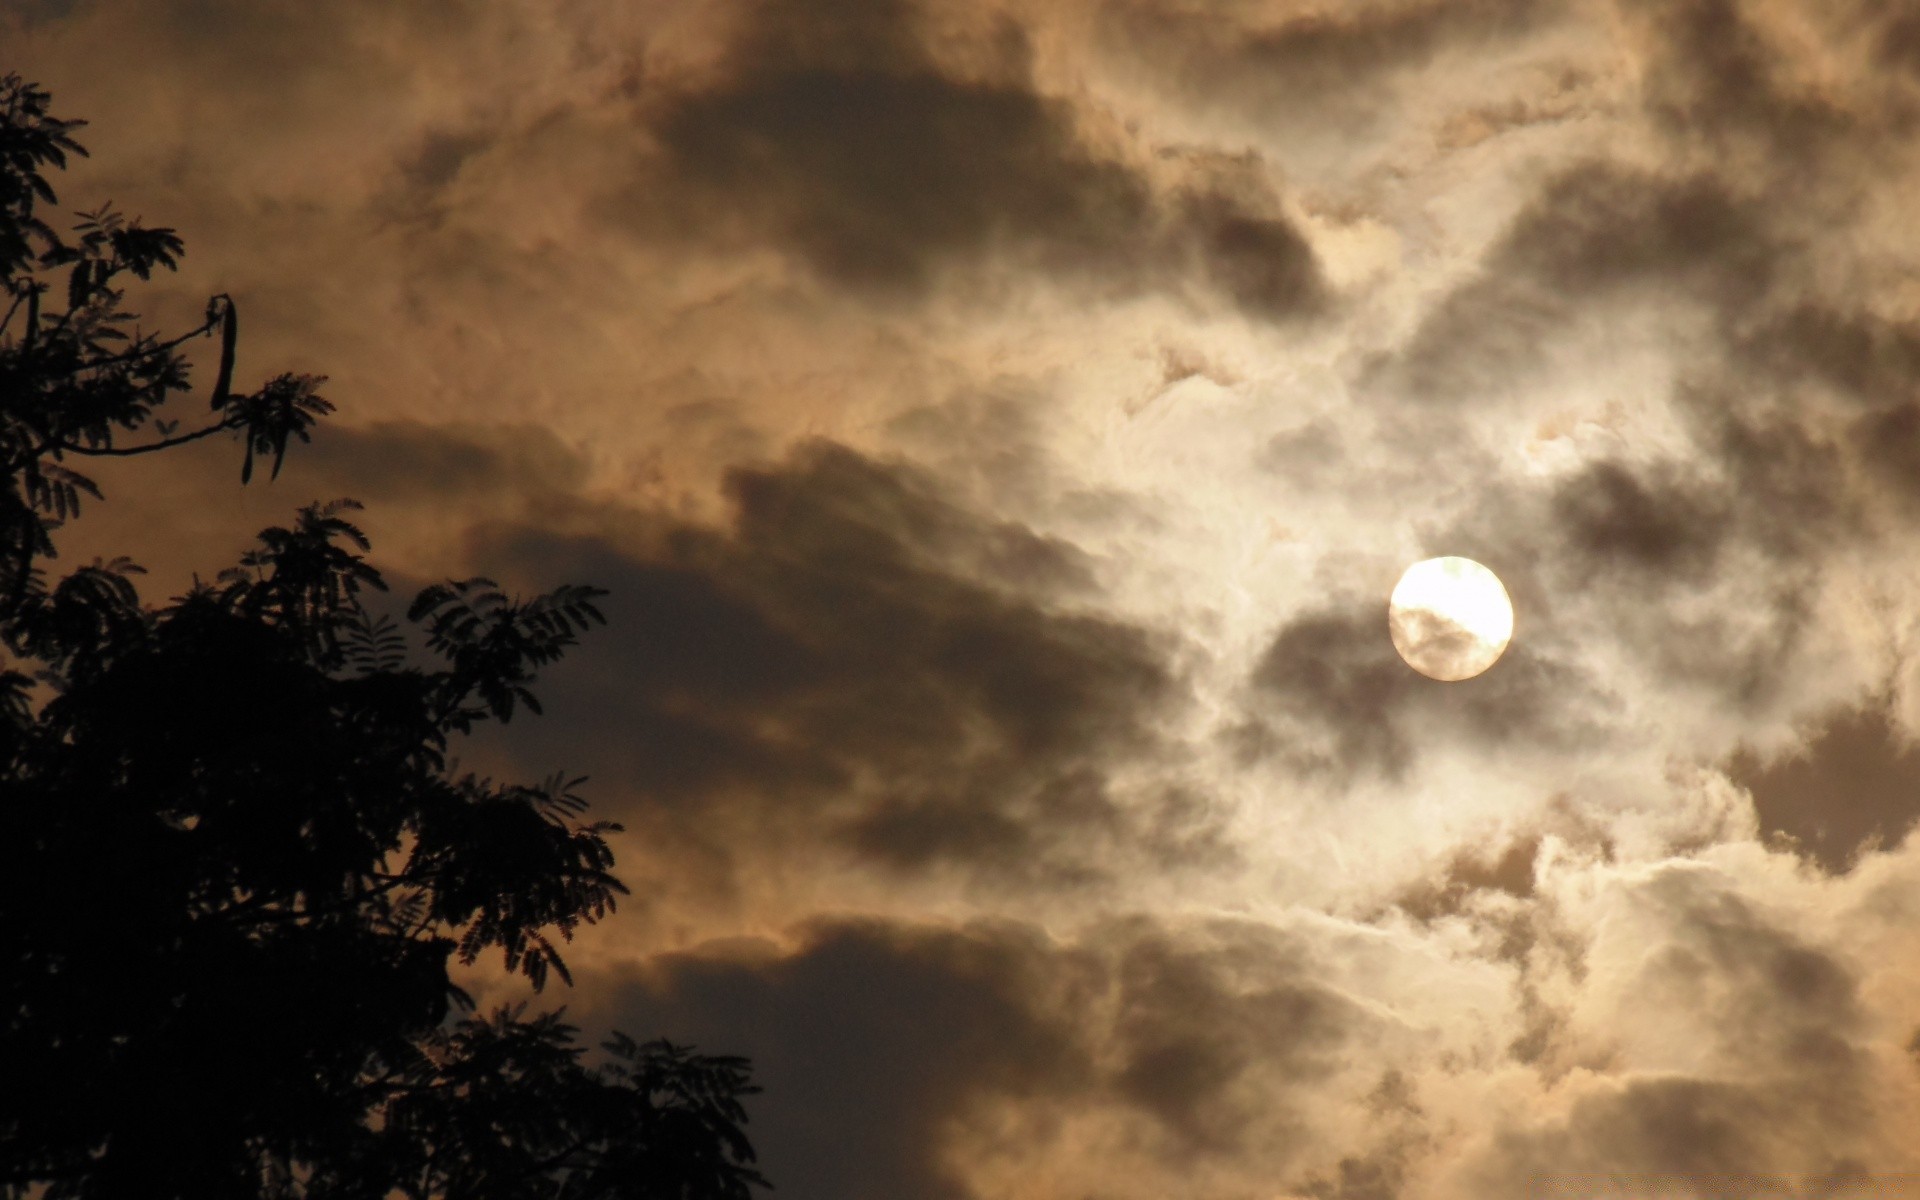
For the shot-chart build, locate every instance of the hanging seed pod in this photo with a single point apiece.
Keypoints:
(229, 332)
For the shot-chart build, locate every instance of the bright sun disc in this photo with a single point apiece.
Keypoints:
(1450, 618)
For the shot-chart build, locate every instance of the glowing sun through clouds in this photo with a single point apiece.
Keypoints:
(1450, 618)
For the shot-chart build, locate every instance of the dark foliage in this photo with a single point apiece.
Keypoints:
(235, 861)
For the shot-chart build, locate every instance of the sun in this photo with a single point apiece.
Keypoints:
(1450, 618)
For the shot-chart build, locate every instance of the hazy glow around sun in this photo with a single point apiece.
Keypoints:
(1450, 618)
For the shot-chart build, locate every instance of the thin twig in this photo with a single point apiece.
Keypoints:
(128, 451)
(137, 352)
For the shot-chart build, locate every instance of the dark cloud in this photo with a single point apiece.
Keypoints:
(1791, 464)
(1898, 44)
(1762, 493)
(878, 1042)
(1506, 870)
(1787, 488)
(1336, 670)
(1216, 1025)
(1716, 75)
(873, 1040)
(1661, 521)
(38, 12)
(1348, 703)
(1317, 66)
(1858, 353)
(838, 131)
(439, 157)
(1781, 1015)
(1397, 1138)
(1852, 785)
(1567, 99)
(1596, 235)
(1262, 262)
(889, 152)
(877, 664)
(1746, 507)
(1699, 1137)
(1312, 456)
(1889, 440)
(1491, 882)
(410, 461)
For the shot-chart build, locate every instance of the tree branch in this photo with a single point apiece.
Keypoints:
(138, 352)
(128, 451)
(11, 309)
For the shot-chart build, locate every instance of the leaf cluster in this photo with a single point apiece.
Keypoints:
(78, 376)
(236, 858)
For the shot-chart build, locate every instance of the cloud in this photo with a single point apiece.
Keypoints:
(835, 132)
(1216, 1025)
(1717, 73)
(888, 1046)
(857, 657)
(1661, 523)
(1853, 350)
(873, 1041)
(405, 461)
(1351, 706)
(1700, 1039)
(1472, 874)
(1743, 1071)
(1597, 236)
(1898, 44)
(997, 426)
(1851, 786)
(1305, 64)
(892, 155)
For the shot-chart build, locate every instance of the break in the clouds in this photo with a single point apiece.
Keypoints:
(999, 427)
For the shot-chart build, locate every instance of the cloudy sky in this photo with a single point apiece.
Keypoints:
(999, 427)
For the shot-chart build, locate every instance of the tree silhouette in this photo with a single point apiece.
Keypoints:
(235, 859)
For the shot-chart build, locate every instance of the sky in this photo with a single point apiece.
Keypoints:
(999, 427)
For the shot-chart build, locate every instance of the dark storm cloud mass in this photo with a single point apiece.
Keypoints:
(1857, 353)
(1727, 234)
(836, 129)
(1660, 521)
(1777, 1101)
(1870, 365)
(893, 1049)
(1351, 706)
(1705, 1137)
(882, 1043)
(1215, 1025)
(1898, 43)
(1634, 543)
(407, 460)
(1795, 402)
(1596, 236)
(1852, 786)
(1717, 75)
(1787, 478)
(1508, 871)
(893, 154)
(873, 1039)
(877, 663)
(1328, 64)
(1792, 407)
